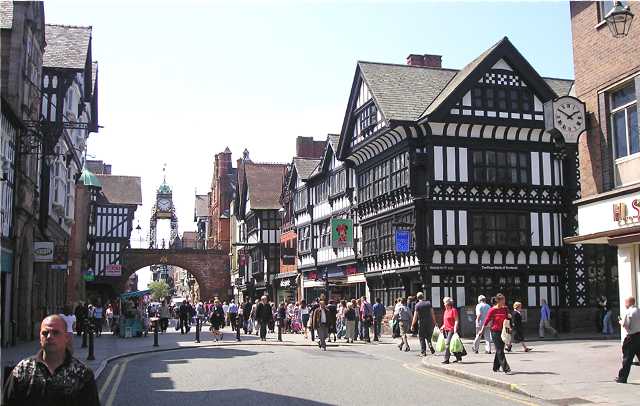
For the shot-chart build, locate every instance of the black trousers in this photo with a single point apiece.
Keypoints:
(164, 323)
(424, 336)
(280, 327)
(232, 320)
(630, 349)
(499, 360)
(184, 325)
(239, 323)
(263, 329)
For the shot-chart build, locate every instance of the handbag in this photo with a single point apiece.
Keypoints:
(395, 328)
(506, 332)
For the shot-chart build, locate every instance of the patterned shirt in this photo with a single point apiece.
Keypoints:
(31, 383)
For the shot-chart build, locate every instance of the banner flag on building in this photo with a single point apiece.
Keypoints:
(341, 233)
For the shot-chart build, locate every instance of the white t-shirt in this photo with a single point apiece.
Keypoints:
(304, 310)
(69, 320)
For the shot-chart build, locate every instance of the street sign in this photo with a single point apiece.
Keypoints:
(403, 241)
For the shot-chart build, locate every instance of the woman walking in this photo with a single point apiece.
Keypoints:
(350, 318)
(450, 322)
(497, 316)
(304, 314)
(518, 328)
(217, 320)
(403, 315)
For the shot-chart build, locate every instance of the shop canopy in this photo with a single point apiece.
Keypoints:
(138, 293)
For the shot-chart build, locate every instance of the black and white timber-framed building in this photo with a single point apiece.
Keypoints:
(323, 190)
(461, 159)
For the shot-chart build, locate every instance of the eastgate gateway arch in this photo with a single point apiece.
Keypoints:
(209, 267)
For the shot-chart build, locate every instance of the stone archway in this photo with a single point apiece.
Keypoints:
(209, 267)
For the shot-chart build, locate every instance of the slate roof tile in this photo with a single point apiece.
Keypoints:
(404, 92)
(67, 46)
(121, 189)
(6, 15)
(264, 184)
(305, 167)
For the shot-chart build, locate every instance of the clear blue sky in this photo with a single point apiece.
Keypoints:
(180, 81)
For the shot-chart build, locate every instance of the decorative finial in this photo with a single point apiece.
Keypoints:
(164, 173)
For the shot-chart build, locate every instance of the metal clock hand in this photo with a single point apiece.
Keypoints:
(573, 114)
(566, 115)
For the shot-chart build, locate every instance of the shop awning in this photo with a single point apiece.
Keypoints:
(626, 235)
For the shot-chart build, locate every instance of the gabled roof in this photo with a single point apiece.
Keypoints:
(304, 167)
(402, 92)
(476, 68)
(414, 93)
(6, 15)
(264, 184)
(121, 189)
(67, 46)
(334, 140)
(202, 206)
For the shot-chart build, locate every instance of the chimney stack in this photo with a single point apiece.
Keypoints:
(425, 61)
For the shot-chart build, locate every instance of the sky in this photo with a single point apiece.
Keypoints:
(179, 81)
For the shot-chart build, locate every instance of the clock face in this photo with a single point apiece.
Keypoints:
(164, 204)
(568, 116)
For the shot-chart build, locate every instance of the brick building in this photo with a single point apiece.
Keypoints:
(223, 186)
(607, 80)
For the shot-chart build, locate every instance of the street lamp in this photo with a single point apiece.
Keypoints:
(619, 20)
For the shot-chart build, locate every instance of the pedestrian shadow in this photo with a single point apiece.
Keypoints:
(475, 362)
(532, 373)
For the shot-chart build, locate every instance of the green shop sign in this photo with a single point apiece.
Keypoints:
(341, 233)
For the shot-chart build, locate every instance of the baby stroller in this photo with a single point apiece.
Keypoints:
(296, 326)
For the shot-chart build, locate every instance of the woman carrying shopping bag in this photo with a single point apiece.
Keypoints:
(497, 316)
(450, 323)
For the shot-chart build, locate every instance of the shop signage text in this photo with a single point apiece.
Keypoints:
(621, 213)
(42, 251)
(113, 270)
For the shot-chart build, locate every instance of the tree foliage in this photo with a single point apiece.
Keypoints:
(159, 290)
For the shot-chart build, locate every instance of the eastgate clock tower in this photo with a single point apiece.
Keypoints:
(163, 209)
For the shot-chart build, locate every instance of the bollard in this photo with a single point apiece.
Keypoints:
(84, 335)
(197, 329)
(155, 334)
(90, 357)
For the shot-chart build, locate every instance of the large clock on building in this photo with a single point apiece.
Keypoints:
(164, 204)
(565, 116)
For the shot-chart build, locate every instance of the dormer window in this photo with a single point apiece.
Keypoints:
(367, 118)
(367, 122)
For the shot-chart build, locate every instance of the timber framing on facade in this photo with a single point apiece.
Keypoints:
(462, 159)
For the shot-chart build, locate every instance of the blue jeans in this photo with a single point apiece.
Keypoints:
(607, 328)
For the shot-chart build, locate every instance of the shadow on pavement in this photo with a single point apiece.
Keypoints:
(236, 397)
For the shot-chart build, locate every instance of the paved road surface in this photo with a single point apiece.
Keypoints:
(264, 375)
